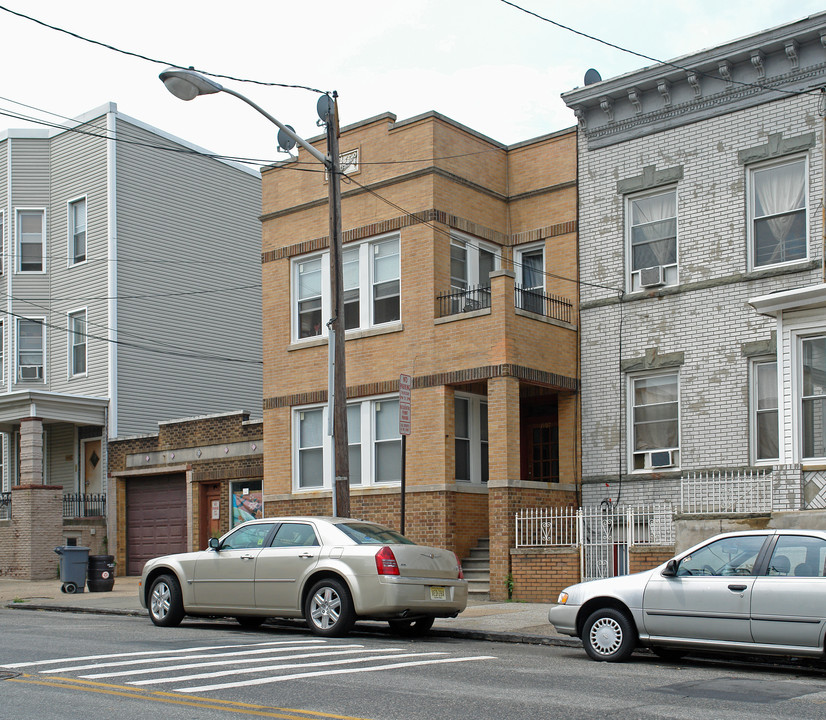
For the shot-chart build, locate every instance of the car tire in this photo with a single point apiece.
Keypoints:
(166, 607)
(328, 608)
(609, 635)
(411, 628)
(667, 653)
(250, 622)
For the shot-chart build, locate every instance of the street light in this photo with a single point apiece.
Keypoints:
(187, 85)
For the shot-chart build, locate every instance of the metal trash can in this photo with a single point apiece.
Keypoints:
(73, 562)
(101, 573)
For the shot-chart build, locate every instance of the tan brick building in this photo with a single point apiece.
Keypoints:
(460, 260)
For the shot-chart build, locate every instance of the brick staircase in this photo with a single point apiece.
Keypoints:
(477, 570)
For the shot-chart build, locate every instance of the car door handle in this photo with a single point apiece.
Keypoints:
(248, 557)
(737, 588)
(306, 555)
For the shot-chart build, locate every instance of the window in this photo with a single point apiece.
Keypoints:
(798, 556)
(247, 501)
(729, 556)
(30, 238)
(77, 231)
(2, 361)
(777, 212)
(652, 239)
(248, 537)
(813, 397)
(470, 427)
(371, 287)
(764, 410)
(655, 414)
(30, 349)
(471, 263)
(2, 240)
(77, 343)
(374, 444)
(290, 534)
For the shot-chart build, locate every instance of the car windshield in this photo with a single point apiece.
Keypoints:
(369, 534)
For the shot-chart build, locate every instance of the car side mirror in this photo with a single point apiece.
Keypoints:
(670, 569)
(213, 543)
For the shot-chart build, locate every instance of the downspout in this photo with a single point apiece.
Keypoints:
(112, 266)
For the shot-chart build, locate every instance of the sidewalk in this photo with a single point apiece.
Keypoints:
(497, 622)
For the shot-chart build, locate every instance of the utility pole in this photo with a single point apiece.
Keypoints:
(341, 462)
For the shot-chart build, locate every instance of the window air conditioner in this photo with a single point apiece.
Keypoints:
(31, 372)
(661, 459)
(652, 276)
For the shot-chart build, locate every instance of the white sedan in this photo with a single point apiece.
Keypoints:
(330, 571)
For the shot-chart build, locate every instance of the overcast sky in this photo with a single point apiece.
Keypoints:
(481, 62)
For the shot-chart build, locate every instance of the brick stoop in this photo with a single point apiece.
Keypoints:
(476, 568)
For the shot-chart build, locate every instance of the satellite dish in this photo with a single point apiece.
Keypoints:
(285, 142)
(592, 76)
(324, 107)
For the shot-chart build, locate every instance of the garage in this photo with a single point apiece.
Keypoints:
(155, 519)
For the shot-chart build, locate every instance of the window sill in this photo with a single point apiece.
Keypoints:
(349, 335)
(791, 265)
(462, 316)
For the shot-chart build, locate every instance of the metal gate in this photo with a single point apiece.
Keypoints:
(604, 542)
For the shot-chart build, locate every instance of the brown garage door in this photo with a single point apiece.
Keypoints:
(155, 519)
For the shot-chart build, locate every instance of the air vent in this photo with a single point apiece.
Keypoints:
(652, 276)
(661, 459)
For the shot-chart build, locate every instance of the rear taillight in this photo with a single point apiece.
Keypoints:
(386, 562)
(459, 565)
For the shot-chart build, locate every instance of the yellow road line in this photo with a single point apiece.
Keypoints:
(203, 703)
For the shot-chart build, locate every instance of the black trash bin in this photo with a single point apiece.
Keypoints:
(73, 562)
(101, 573)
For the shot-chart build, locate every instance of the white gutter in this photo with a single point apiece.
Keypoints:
(112, 264)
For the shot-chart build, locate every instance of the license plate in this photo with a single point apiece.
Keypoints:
(437, 593)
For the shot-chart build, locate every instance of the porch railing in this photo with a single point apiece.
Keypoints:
(475, 297)
(80, 505)
(732, 492)
(5, 505)
(536, 301)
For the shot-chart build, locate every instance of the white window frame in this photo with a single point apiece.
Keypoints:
(367, 414)
(365, 286)
(472, 245)
(671, 272)
(19, 240)
(72, 230)
(3, 243)
(531, 249)
(754, 410)
(18, 365)
(2, 354)
(750, 204)
(71, 342)
(797, 360)
(676, 451)
(475, 437)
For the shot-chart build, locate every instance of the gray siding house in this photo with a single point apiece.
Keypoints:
(130, 292)
(703, 308)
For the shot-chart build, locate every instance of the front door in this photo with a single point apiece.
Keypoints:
(210, 513)
(92, 484)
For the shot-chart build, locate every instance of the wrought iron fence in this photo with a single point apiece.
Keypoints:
(475, 297)
(78, 505)
(5, 505)
(536, 301)
(727, 491)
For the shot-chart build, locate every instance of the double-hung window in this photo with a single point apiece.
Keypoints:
(30, 349)
(777, 212)
(374, 444)
(530, 274)
(371, 285)
(813, 397)
(77, 343)
(655, 421)
(471, 263)
(77, 231)
(764, 422)
(651, 221)
(470, 427)
(31, 233)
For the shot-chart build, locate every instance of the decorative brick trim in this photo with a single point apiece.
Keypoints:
(457, 377)
(777, 146)
(543, 233)
(650, 178)
(254, 472)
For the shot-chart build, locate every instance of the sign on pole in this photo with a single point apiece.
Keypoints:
(405, 416)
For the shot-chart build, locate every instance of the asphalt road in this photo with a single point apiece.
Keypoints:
(57, 665)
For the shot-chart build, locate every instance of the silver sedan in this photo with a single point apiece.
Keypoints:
(755, 592)
(330, 571)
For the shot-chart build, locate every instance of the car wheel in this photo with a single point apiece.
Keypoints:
(667, 653)
(608, 635)
(411, 628)
(166, 608)
(250, 622)
(328, 608)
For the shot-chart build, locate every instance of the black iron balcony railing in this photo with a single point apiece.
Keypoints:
(536, 301)
(80, 505)
(475, 297)
(5, 505)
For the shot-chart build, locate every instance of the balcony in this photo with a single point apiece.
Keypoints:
(478, 297)
(475, 297)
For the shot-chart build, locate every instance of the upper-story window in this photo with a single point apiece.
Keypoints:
(30, 349)
(371, 274)
(530, 277)
(813, 397)
(764, 410)
(655, 421)
(31, 233)
(77, 231)
(777, 212)
(471, 262)
(77, 343)
(651, 221)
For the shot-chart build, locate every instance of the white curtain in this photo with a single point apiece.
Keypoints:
(779, 190)
(654, 230)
